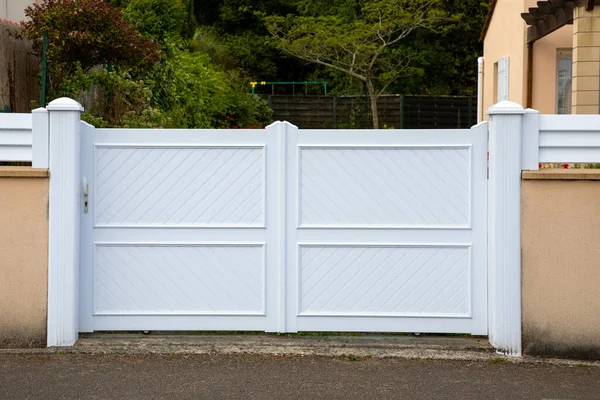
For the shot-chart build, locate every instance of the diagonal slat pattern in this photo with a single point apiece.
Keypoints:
(147, 279)
(364, 186)
(180, 186)
(385, 280)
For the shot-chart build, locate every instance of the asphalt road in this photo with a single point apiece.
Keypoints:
(71, 376)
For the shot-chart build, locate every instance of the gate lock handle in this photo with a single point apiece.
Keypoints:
(85, 195)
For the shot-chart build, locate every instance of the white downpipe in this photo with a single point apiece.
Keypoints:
(479, 89)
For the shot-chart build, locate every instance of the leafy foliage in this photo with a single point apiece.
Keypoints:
(207, 41)
(115, 99)
(246, 111)
(346, 9)
(122, 101)
(72, 41)
(143, 86)
(240, 27)
(160, 19)
(118, 3)
(188, 88)
(202, 75)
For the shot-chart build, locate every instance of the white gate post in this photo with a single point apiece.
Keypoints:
(504, 225)
(286, 134)
(64, 210)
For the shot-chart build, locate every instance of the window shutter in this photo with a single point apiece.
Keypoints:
(503, 64)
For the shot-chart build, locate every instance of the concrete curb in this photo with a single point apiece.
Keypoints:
(352, 347)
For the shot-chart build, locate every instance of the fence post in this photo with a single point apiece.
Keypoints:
(530, 158)
(334, 112)
(401, 111)
(64, 212)
(504, 227)
(40, 134)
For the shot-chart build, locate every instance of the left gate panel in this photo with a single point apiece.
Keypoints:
(175, 235)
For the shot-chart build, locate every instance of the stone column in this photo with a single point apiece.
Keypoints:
(586, 57)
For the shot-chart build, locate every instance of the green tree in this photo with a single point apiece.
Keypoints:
(240, 28)
(449, 55)
(345, 9)
(162, 19)
(84, 34)
(371, 48)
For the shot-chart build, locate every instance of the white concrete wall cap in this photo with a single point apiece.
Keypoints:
(505, 107)
(64, 104)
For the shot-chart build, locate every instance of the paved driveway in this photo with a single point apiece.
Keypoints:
(76, 376)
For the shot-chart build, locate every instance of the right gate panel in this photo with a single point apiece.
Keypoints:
(387, 231)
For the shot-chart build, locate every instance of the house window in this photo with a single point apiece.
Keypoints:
(564, 65)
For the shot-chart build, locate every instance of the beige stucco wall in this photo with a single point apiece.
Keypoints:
(544, 68)
(505, 37)
(23, 259)
(561, 267)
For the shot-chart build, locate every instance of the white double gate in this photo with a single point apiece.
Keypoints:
(284, 230)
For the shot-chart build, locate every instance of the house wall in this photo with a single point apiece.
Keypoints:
(544, 68)
(14, 10)
(24, 256)
(505, 37)
(561, 264)
(586, 71)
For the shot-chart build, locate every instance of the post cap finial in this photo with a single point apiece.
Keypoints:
(505, 107)
(64, 104)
